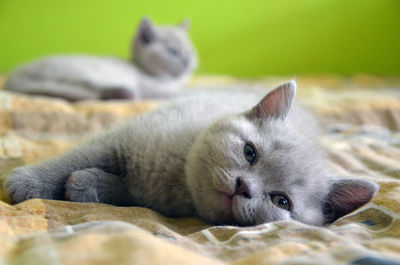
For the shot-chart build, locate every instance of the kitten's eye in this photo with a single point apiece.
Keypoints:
(173, 51)
(249, 153)
(280, 201)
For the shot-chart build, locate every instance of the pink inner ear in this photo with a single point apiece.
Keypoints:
(349, 195)
(277, 104)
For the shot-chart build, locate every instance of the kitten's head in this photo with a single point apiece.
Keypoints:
(164, 51)
(255, 167)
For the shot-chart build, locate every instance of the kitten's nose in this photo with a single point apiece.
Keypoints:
(242, 188)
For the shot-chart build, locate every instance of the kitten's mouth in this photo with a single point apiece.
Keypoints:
(230, 205)
(227, 198)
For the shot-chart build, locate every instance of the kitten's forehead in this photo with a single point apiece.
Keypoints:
(173, 36)
(267, 134)
(292, 158)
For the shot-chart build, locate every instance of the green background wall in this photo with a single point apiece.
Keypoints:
(244, 38)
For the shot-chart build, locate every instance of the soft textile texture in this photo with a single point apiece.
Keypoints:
(361, 123)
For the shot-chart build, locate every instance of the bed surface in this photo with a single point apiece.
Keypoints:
(360, 117)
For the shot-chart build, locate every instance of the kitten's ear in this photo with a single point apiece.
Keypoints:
(146, 33)
(185, 25)
(347, 195)
(276, 104)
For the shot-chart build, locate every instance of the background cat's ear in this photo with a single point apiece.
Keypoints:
(347, 195)
(276, 104)
(146, 33)
(185, 25)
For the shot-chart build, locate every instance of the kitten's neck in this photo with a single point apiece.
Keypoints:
(164, 78)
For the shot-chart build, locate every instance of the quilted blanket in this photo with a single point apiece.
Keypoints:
(360, 117)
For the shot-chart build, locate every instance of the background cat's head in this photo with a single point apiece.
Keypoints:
(256, 167)
(164, 51)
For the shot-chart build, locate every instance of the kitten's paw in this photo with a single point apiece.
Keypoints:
(81, 186)
(25, 184)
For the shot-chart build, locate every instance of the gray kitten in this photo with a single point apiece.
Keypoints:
(163, 59)
(221, 156)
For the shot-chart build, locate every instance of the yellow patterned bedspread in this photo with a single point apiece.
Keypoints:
(360, 117)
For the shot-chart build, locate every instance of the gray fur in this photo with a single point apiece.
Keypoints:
(154, 72)
(185, 159)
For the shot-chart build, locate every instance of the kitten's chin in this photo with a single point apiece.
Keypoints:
(181, 73)
(237, 213)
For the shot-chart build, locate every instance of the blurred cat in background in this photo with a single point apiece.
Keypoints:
(163, 59)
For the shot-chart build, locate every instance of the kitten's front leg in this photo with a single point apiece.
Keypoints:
(95, 185)
(47, 179)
